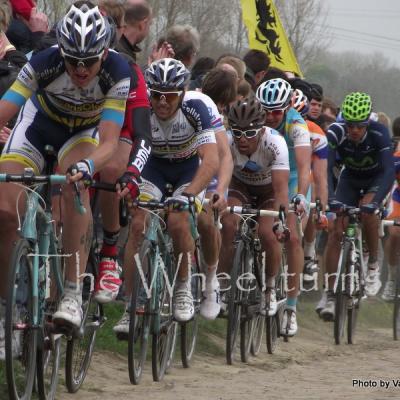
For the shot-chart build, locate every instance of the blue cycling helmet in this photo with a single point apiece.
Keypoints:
(167, 74)
(275, 94)
(83, 32)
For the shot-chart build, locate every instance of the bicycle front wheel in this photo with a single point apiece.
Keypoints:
(354, 307)
(258, 333)
(340, 295)
(80, 347)
(139, 324)
(20, 334)
(396, 308)
(234, 305)
(189, 329)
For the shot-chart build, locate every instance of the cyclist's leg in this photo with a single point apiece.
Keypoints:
(78, 229)
(210, 239)
(371, 231)
(109, 207)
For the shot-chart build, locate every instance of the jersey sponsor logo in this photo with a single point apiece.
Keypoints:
(48, 72)
(177, 127)
(142, 156)
(365, 163)
(132, 95)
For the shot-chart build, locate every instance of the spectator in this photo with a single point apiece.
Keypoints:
(11, 61)
(236, 63)
(273, 73)
(182, 42)
(244, 90)
(384, 119)
(316, 97)
(199, 71)
(28, 26)
(257, 63)
(115, 11)
(329, 108)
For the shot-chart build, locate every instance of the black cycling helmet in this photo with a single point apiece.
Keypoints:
(167, 74)
(246, 113)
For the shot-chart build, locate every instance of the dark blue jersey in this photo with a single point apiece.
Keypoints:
(371, 157)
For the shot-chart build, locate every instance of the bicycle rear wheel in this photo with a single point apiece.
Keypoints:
(341, 297)
(20, 335)
(272, 332)
(189, 329)
(80, 347)
(234, 305)
(139, 325)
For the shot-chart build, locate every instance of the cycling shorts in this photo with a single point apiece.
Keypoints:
(33, 131)
(159, 172)
(261, 197)
(349, 188)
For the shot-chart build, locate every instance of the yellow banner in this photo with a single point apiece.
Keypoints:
(266, 33)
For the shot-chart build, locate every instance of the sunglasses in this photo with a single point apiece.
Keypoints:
(358, 125)
(275, 113)
(248, 134)
(167, 96)
(82, 62)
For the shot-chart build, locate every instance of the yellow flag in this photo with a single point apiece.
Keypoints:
(266, 33)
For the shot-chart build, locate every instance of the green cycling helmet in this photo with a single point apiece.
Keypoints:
(356, 107)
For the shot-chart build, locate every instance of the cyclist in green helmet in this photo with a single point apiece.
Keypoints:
(365, 151)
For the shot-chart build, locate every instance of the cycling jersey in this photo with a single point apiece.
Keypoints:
(45, 80)
(319, 142)
(174, 156)
(178, 138)
(271, 154)
(295, 131)
(136, 130)
(370, 160)
(394, 204)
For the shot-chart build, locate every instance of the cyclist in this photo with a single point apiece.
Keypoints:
(260, 176)
(73, 97)
(275, 96)
(393, 240)
(218, 91)
(319, 145)
(365, 150)
(182, 135)
(133, 151)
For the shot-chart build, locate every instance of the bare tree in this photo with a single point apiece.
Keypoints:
(305, 25)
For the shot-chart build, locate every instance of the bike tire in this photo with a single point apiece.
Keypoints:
(234, 307)
(272, 333)
(396, 308)
(80, 346)
(341, 297)
(20, 368)
(354, 309)
(258, 334)
(189, 329)
(139, 325)
(49, 348)
(163, 329)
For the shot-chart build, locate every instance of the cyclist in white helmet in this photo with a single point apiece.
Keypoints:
(73, 98)
(275, 96)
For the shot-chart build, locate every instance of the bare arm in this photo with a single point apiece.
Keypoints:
(320, 169)
(108, 135)
(303, 163)
(208, 154)
(280, 185)
(7, 111)
(225, 167)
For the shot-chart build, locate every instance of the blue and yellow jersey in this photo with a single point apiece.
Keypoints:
(295, 131)
(45, 80)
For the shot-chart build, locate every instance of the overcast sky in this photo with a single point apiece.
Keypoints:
(366, 26)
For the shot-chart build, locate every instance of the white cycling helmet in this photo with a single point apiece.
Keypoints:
(167, 74)
(300, 102)
(275, 94)
(83, 32)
